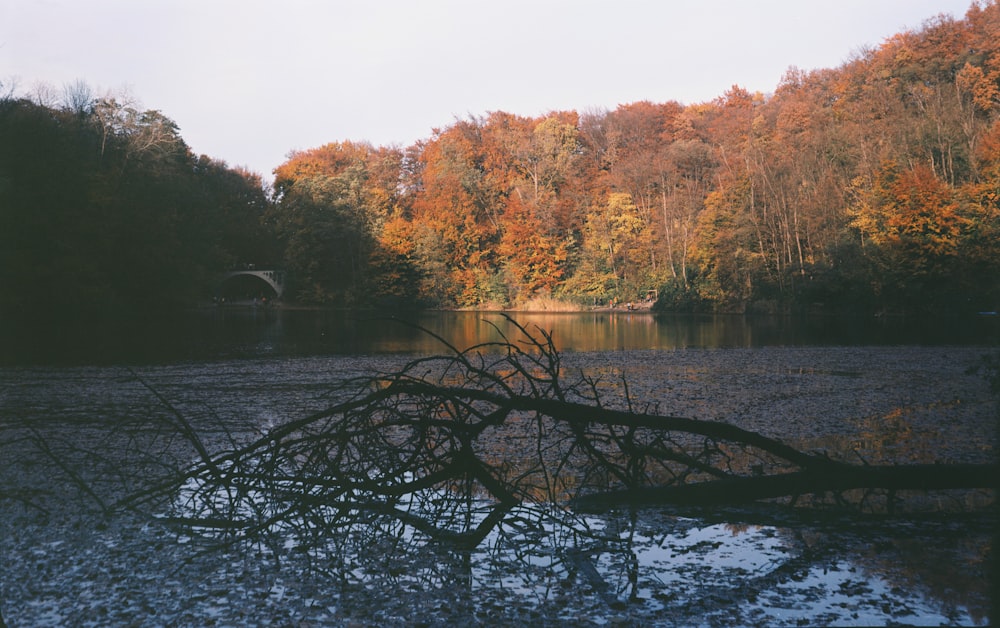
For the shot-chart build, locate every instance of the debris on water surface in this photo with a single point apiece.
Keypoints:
(655, 566)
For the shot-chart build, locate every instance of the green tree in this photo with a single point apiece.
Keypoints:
(327, 243)
(104, 208)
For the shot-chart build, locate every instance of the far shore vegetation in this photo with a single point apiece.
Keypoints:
(872, 187)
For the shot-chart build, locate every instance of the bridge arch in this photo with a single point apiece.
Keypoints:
(273, 279)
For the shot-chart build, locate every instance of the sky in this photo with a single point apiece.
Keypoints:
(249, 81)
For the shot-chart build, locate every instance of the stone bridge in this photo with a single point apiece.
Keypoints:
(273, 278)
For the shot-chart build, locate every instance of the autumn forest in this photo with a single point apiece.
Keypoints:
(870, 187)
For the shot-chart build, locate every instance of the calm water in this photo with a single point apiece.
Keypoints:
(214, 334)
(234, 370)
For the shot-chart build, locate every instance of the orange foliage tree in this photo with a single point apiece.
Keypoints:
(876, 179)
(916, 227)
(333, 203)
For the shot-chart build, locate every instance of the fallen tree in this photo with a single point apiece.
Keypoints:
(835, 478)
(451, 445)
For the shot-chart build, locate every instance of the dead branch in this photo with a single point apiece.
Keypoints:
(451, 445)
(838, 477)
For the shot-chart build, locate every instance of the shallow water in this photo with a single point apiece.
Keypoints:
(887, 403)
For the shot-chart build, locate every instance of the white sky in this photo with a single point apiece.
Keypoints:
(248, 81)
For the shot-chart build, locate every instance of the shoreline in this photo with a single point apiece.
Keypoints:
(524, 309)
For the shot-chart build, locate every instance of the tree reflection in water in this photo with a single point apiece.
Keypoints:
(467, 471)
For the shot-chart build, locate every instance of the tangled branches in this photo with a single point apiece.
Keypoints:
(448, 447)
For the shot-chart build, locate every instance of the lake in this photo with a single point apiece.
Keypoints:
(73, 407)
(238, 332)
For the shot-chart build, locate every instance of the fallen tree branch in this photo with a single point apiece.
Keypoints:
(839, 477)
(448, 446)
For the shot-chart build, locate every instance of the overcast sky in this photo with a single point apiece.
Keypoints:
(248, 81)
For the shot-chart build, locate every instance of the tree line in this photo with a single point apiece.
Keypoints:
(873, 186)
(104, 207)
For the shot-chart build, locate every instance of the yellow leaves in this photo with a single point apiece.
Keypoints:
(397, 236)
(330, 160)
(864, 217)
(555, 142)
(615, 226)
(624, 223)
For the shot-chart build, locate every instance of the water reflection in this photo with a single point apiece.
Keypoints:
(219, 333)
(602, 331)
(439, 477)
(533, 563)
(644, 566)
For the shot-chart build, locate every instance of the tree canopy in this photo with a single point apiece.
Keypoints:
(103, 205)
(872, 186)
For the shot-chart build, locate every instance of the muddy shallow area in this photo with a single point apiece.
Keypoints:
(66, 563)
